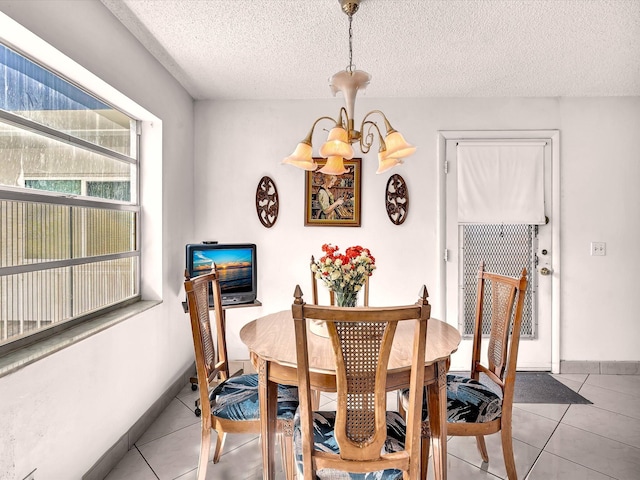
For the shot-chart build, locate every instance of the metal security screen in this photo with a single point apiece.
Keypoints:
(505, 249)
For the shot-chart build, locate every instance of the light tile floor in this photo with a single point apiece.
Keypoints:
(566, 442)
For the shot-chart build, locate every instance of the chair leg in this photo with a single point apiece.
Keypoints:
(315, 400)
(286, 449)
(482, 448)
(507, 453)
(219, 444)
(401, 410)
(424, 457)
(205, 445)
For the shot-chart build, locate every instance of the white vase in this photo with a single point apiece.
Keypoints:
(319, 327)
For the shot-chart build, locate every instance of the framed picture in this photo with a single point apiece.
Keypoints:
(333, 200)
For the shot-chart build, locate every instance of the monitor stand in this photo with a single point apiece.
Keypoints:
(255, 303)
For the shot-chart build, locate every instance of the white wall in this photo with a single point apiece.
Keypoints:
(600, 202)
(237, 142)
(60, 414)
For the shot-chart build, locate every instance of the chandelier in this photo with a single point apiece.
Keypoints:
(393, 148)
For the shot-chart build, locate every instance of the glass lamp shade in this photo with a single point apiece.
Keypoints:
(385, 162)
(334, 166)
(397, 146)
(337, 145)
(302, 157)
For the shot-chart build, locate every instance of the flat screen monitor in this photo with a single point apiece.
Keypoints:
(236, 265)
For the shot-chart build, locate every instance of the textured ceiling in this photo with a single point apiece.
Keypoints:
(273, 49)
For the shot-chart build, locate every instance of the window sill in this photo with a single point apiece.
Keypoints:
(18, 359)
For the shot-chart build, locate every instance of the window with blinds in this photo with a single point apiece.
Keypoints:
(69, 208)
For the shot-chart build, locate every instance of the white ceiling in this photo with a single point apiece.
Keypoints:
(276, 49)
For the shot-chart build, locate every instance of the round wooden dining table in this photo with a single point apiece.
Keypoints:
(271, 343)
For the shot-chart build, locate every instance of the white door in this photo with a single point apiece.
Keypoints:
(505, 249)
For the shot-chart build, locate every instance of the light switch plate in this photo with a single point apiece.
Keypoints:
(598, 249)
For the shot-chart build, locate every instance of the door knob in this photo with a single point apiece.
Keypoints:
(545, 271)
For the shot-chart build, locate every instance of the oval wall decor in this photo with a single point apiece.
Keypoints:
(267, 203)
(397, 199)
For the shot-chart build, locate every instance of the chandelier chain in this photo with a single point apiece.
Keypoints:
(350, 68)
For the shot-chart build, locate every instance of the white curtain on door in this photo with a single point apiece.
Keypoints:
(501, 183)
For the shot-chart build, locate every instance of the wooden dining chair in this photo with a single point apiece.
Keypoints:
(332, 300)
(473, 407)
(230, 405)
(360, 436)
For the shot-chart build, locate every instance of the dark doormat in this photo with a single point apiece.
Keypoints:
(540, 387)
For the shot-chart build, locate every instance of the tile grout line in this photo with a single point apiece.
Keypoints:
(577, 428)
(535, 462)
(606, 388)
(473, 464)
(145, 461)
(600, 436)
(559, 421)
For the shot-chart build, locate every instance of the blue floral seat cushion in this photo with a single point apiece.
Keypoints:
(237, 399)
(467, 401)
(324, 440)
